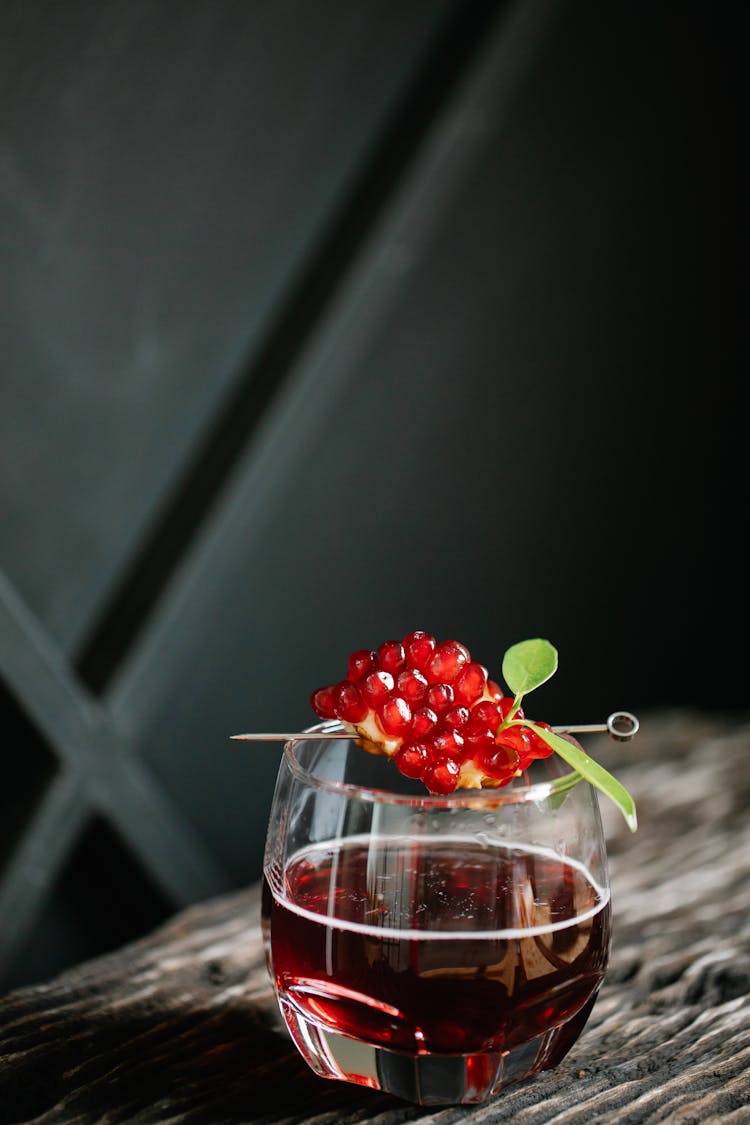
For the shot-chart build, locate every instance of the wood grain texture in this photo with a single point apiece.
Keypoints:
(182, 1027)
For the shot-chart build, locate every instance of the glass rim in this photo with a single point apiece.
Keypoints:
(490, 798)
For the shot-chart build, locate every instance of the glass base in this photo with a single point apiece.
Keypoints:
(428, 1079)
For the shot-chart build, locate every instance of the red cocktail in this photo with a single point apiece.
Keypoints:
(437, 947)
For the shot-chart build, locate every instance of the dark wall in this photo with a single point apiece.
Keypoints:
(321, 323)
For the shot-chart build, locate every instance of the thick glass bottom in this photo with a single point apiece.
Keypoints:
(428, 1079)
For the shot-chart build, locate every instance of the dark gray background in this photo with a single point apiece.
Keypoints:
(324, 322)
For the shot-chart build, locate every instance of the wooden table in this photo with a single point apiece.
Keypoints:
(182, 1026)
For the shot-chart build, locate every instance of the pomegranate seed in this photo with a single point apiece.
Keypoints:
(419, 647)
(446, 662)
(480, 738)
(485, 714)
(423, 722)
(413, 758)
(394, 715)
(516, 738)
(500, 757)
(377, 686)
(348, 704)
(500, 762)
(447, 741)
(321, 702)
(540, 747)
(412, 685)
(440, 697)
(457, 717)
(495, 690)
(442, 775)
(391, 657)
(470, 683)
(360, 663)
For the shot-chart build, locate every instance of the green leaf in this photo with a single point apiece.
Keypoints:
(560, 788)
(590, 770)
(528, 664)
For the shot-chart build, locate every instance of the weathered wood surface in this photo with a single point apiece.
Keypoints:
(182, 1027)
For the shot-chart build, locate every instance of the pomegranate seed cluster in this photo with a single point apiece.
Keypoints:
(434, 710)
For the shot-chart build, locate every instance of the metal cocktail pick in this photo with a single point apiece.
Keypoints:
(621, 725)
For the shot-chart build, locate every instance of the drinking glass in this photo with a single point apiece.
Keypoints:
(434, 947)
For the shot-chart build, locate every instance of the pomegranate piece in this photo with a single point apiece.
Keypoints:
(434, 710)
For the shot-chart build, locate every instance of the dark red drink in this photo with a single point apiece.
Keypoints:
(437, 945)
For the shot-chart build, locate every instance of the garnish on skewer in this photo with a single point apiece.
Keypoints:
(438, 715)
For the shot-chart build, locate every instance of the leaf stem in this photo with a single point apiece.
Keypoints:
(591, 771)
